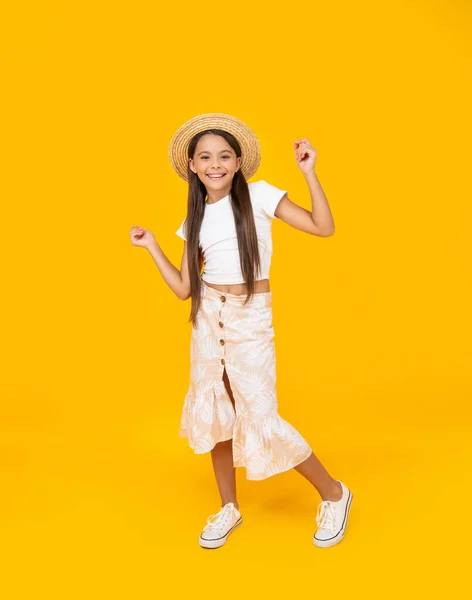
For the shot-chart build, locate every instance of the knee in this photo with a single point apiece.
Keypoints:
(223, 446)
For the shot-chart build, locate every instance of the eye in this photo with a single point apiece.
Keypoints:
(224, 156)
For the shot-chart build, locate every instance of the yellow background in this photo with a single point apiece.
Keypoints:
(101, 498)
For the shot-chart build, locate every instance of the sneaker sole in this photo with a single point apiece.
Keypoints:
(339, 536)
(220, 541)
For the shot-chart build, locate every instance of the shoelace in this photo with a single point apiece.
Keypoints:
(219, 518)
(326, 515)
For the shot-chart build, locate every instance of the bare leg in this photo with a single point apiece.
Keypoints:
(318, 476)
(225, 472)
(222, 459)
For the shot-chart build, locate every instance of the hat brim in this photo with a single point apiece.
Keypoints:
(250, 148)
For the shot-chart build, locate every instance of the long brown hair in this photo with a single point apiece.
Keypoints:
(249, 258)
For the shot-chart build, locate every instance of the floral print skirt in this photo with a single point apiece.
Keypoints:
(240, 339)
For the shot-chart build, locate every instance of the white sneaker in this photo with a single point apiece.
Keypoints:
(332, 519)
(220, 525)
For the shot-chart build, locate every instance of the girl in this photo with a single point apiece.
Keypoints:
(230, 408)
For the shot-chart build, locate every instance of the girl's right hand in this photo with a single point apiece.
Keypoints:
(142, 237)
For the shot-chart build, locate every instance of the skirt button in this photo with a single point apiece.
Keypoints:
(222, 361)
(222, 342)
(223, 299)
(220, 324)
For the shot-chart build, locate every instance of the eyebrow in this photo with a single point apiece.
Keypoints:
(208, 152)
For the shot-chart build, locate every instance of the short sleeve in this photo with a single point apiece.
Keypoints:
(269, 196)
(180, 231)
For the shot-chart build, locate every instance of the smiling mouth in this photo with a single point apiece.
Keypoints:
(216, 176)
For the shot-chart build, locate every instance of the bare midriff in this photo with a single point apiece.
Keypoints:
(262, 285)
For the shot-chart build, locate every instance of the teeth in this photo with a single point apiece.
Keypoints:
(215, 176)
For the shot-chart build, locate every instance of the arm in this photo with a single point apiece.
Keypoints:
(178, 281)
(317, 222)
(320, 220)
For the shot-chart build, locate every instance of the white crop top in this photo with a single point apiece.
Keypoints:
(218, 239)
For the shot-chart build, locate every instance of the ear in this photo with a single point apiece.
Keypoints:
(238, 162)
(191, 165)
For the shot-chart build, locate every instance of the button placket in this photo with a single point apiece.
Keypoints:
(220, 323)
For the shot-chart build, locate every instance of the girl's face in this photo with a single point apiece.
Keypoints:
(215, 162)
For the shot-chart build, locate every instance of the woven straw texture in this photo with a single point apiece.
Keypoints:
(250, 148)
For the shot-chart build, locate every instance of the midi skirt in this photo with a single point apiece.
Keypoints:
(239, 339)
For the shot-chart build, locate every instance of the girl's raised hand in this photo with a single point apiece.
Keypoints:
(141, 237)
(305, 155)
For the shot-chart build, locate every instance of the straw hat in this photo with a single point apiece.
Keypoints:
(178, 148)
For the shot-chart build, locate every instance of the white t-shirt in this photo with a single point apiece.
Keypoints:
(218, 239)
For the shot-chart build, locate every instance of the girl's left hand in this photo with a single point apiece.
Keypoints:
(305, 155)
